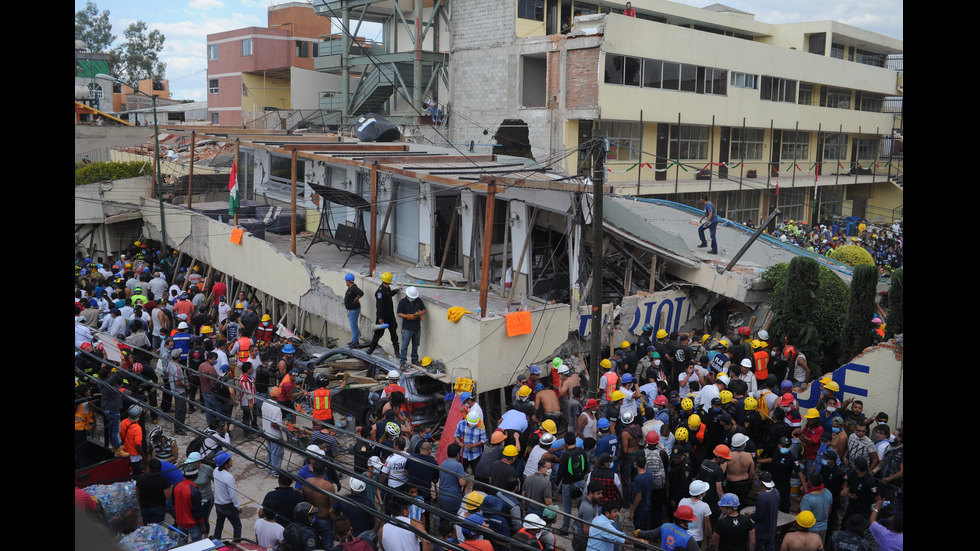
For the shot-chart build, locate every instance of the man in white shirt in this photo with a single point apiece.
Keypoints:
(226, 498)
(272, 427)
(393, 473)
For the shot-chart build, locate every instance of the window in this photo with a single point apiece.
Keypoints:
(302, 48)
(748, 143)
(212, 86)
(158, 85)
(871, 102)
(834, 146)
(214, 117)
(530, 9)
(796, 145)
(622, 69)
(316, 49)
(868, 148)
(838, 98)
(246, 47)
(817, 43)
(806, 93)
(870, 58)
(95, 91)
(652, 73)
(672, 76)
(778, 89)
(837, 51)
(712, 81)
(212, 52)
(689, 142)
(624, 140)
(744, 80)
(689, 78)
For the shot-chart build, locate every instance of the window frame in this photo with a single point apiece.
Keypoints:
(754, 141)
(213, 89)
(247, 47)
(795, 145)
(622, 135)
(688, 137)
(212, 52)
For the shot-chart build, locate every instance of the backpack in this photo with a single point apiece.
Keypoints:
(196, 445)
(655, 465)
(577, 464)
(220, 388)
(763, 407)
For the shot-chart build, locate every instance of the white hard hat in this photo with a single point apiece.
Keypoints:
(394, 374)
(412, 293)
(357, 486)
(533, 522)
(763, 335)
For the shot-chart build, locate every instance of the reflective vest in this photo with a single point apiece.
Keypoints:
(83, 421)
(264, 332)
(761, 365)
(673, 537)
(244, 344)
(531, 539)
(321, 405)
(393, 388)
(612, 381)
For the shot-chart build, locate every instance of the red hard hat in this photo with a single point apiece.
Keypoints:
(660, 400)
(86, 347)
(685, 513)
(137, 368)
(652, 438)
(744, 330)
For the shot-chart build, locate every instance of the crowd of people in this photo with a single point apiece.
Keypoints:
(885, 243)
(685, 432)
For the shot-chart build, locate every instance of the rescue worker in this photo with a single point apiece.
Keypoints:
(385, 313)
(673, 535)
(265, 331)
(322, 414)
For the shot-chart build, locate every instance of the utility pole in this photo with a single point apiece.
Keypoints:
(599, 146)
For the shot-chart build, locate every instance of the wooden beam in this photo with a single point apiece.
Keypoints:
(391, 205)
(449, 238)
(520, 260)
(653, 270)
(487, 241)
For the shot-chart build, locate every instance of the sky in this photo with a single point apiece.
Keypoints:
(186, 24)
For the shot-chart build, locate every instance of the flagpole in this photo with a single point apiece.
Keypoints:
(234, 173)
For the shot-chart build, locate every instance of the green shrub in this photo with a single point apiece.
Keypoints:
(856, 335)
(852, 255)
(895, 324)
(102, 172)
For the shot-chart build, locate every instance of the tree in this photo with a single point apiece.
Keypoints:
(138, 58)
(828, 309)
(856, 335)
(94, 28)
(896, 305)
(794, 310)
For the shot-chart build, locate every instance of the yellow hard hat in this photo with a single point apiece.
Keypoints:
(618, 395)
(386, 277)
(661, 334)
(832, 386)
(624, 344)
(725, 343)
(812, 413)
(694, 421)
(687, 404)
(705, 338)
(197, 268)
(426, 361)
(473, 500)
(137, 243)
(266, 317)
(680, 434)
(756, 343)
(825, 379)
(510, 451)
(550, 426)
(605, 363)
(806, 519)
(239, 306)
(751, 404)
(726, 396)
(524, 391)
(206, 330)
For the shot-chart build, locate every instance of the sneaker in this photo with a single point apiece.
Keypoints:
(702, 245)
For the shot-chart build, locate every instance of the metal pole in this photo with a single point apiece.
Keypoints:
(595, 344)
(190, 177)
(235, 165)
(374, 219)
(292, 216)
(156, 153)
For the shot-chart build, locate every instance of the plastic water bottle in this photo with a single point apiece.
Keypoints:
(479, 312)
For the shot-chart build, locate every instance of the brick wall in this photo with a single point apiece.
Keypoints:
(583, 79)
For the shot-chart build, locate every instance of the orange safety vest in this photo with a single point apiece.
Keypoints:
(244, 344)
(761, 365)
(612, 380)
(393, 388)
(321, 405)
(83, 421)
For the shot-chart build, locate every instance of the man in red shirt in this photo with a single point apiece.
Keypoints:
(188, 507)
(629, 11)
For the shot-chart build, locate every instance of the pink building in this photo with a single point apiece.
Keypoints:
(255, 70)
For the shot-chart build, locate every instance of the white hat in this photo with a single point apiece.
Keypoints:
(698, 487)
(739, 440)
(533, 522)
(357, 486)
(375, 462)
(315, 450)
(412, 293)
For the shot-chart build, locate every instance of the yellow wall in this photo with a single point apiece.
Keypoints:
(262, 91)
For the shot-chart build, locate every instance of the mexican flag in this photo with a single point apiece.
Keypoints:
(233, 190)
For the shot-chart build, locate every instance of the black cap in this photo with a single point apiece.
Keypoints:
(861, 463)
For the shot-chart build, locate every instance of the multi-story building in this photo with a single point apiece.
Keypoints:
(692, 100)
(255, 70)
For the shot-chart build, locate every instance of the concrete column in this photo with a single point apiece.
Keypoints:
(519, 231)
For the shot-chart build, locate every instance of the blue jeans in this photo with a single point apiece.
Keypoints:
(415, 336)
(194, 533)
(713, 228)
(227, 511)
(211, 404)
(566, 500)
(154, 515)
(275, 456)
(352, 317)
(112, 420)
(324, 527)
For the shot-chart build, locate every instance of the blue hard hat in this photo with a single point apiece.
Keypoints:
(535, 370)
(538, 387)
(349, 277)
(464, 396)
(728, 500)
(603, 423)
(627, 378)
(288, 349)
